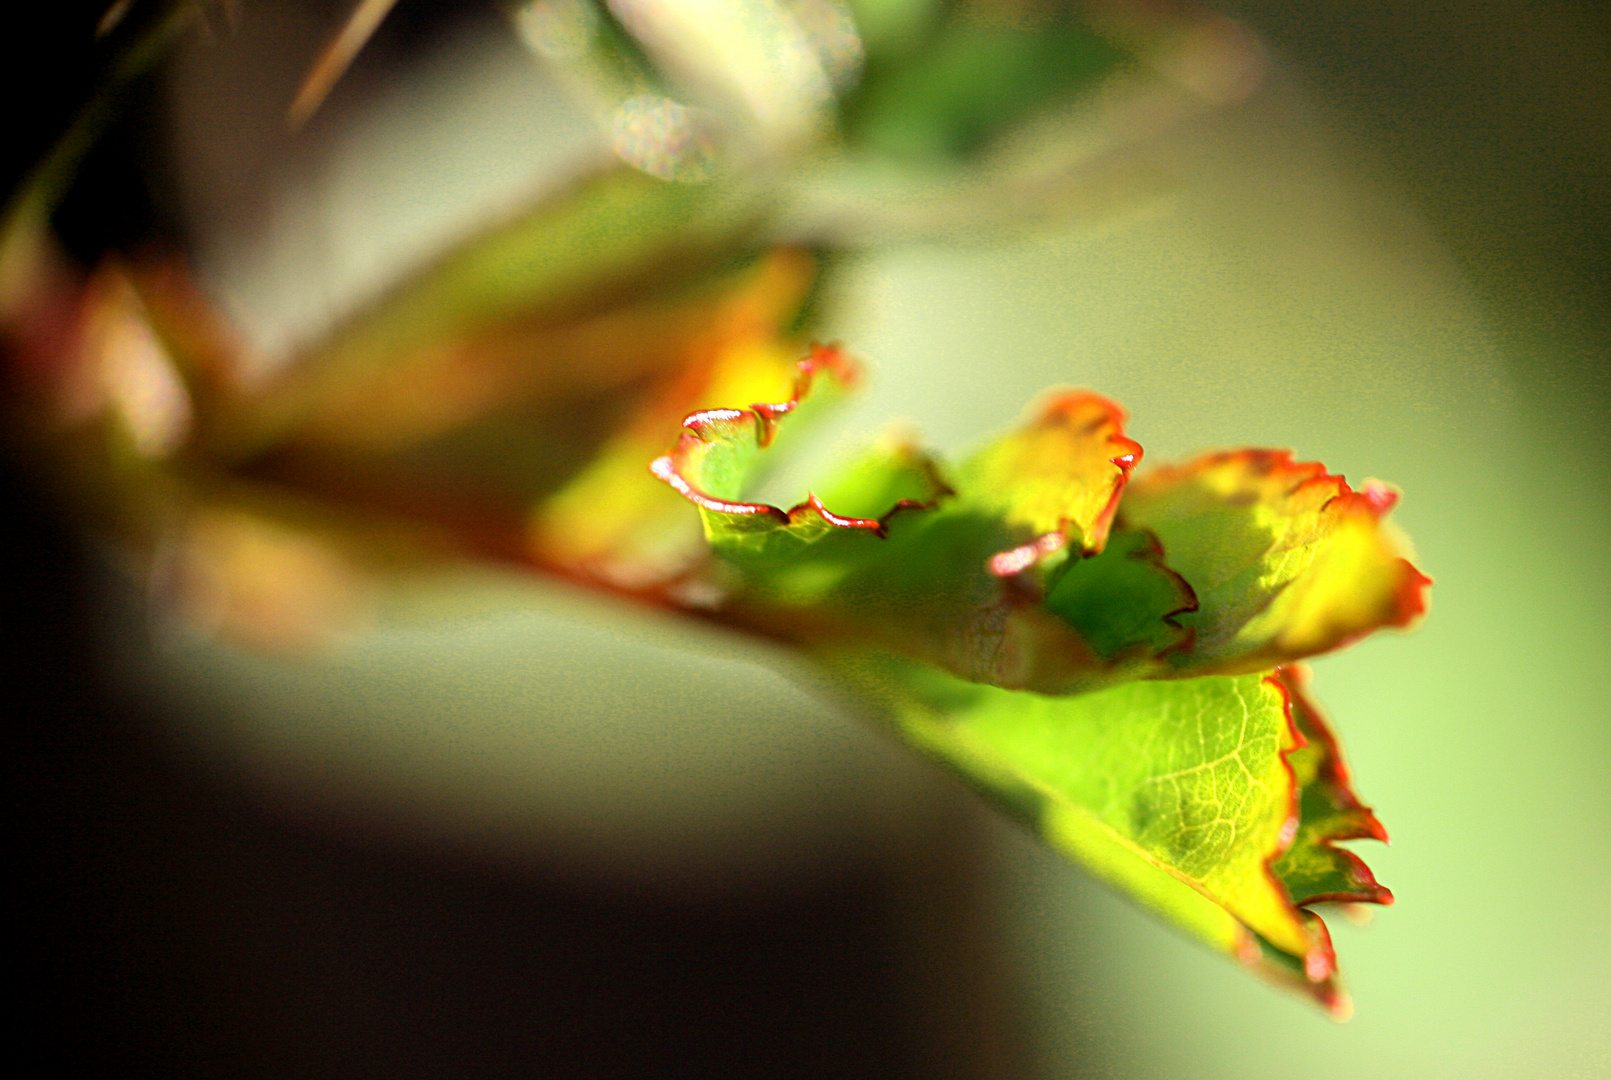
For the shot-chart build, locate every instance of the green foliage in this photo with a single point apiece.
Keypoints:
(1125, 601)
(1176, 792)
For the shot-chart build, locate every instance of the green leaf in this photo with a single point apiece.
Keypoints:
(959, 604)
(1178, 793)
(1286, 560)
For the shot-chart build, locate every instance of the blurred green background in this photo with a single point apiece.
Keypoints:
(1394, 258)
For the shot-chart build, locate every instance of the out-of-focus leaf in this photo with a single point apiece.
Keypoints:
(466, 321)
(1286, 560)
(615, 522)
(889, 28)
(262, 582)
(1177, 793)
(974, 80)
(550, 466)
(1314, 869)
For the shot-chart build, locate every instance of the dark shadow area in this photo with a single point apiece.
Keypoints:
(169, 926)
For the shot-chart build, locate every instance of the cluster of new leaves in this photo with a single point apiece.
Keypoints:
(1115, 661)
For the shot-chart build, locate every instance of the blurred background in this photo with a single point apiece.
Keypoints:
(462, 807)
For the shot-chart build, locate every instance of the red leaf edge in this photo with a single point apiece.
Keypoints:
(1024, 556)
(699, 428)
(1362, 822)
(1374, 499)
(1320, 963)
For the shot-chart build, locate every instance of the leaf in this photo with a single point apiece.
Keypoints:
(972, 83)
(1217, 800)
(1286, 560)
(718, 454)
(956, 575)
(1179, 793)
(1233, 564)
(1314, 869)
(484, 310)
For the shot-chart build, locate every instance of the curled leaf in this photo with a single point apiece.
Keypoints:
(1011, 626)
(1232, 564)
(904, 560)
(1125, 602)
(718, 454)
(1286, 560)
(613, 522)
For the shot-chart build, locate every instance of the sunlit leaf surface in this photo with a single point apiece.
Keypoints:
(1062, 473)
(955, 572)
(1179, 793)
(1286, 560)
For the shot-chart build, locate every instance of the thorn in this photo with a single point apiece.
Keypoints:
(335, 59)
(111, 17)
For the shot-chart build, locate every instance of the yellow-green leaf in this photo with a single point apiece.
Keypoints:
(903, 560)
(1060, 476)
(1286, 560)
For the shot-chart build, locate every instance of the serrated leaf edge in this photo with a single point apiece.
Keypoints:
(1373, 498)
(1334, 771)
(1315, 974)
(700, 427)
(1028, 555)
